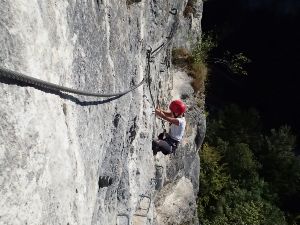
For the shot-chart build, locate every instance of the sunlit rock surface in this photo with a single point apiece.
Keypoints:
(69, 159)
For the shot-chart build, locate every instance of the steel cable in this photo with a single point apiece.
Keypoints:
(41, 83)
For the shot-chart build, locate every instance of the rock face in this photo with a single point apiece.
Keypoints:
(69, 159)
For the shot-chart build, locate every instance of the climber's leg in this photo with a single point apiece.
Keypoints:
(161, 145)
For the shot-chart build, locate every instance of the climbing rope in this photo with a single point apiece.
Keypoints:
(151, 54)
(44, 84)
(165, 44)
(148, 72)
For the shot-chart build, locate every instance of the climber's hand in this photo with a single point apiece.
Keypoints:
(162, 115)
(158, 112)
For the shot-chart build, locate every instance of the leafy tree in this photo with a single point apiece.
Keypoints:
(240, 206)
(279, 161)
(281, 168)
(241, 162)
(235, 63)
(245, 208)
(235, 126)
(202, 49)
(202, 53)
(248, 177)
(212, 174)
(213, 179)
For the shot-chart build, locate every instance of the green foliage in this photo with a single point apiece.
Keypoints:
(280, 166)
(195, 63)
(214, 177)
(241, 162)
(240, 206)
(243, 207)
(247, 177)
(198, 71)
(236, 63)
(235, 126)
(202, 49)
(212, 172)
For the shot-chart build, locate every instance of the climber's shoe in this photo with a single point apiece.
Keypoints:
(161, 136)
(155, 147)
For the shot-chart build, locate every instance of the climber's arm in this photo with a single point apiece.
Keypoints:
(166, 113)
(162, 115)
(169, 114)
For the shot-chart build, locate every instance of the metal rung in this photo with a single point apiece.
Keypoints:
(139, 208)
(123, 215)
(140, 215)
(153, 181)
(159, 167)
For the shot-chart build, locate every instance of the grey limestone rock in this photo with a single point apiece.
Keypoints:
(69, 159)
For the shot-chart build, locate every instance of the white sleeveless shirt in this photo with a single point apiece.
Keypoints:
(177, 132)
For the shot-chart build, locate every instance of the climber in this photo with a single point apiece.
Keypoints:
(167, 143)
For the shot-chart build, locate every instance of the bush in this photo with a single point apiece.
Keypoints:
(195, 69)
(181, 57)
(195, 62)
(189, 8)
(199, 72)
(235, 63)
(212, 174)
(202, 49)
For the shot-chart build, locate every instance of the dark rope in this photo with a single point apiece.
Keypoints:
(157, 49)
(44, 84)
(148, 72)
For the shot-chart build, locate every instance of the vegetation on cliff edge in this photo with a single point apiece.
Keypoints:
(248, 176)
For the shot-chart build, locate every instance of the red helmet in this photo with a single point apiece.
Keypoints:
(177, 106)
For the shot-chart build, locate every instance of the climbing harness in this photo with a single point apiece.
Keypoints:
(44, 84)
(172, 142)
(164, 136)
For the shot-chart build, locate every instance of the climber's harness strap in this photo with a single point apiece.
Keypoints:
(173, 143)
(164, 136)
